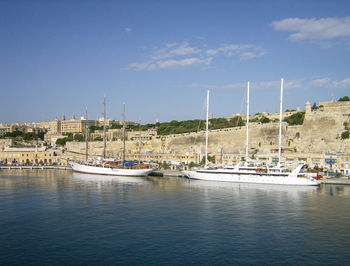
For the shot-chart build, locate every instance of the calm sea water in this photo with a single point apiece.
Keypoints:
(57, 217)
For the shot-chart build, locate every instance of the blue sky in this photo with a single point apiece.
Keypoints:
(159, 57)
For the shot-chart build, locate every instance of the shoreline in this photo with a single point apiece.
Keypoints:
(23, 167)
(165, 173)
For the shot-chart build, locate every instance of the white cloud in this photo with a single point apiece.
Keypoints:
(183, 62)
(329, 83)
(345, 83)
(142, 66)
(243, 51)
(172, 50)
(169, 64)
(314, 29)
(175, 55)
(128, 30)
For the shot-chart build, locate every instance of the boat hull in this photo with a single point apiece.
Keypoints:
(212, 175)
(99, 170)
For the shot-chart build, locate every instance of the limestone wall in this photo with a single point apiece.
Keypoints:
(319, 134)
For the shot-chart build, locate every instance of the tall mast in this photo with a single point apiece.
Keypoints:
(86, 135)
(206, 131)
(280, 141)
(247, 140)
(123, 133)
(104, 127)
(139, 141)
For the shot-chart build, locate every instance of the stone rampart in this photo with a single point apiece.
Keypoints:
(319, 134)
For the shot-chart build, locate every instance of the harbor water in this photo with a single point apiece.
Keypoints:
(56, 217)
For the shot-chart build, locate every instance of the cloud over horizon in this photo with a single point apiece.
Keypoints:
(327, 83)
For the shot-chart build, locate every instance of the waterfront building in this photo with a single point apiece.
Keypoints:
(343, 164)
(330, 159)
(142, 135)
(171, 158)
(28, 156)
(227, 158)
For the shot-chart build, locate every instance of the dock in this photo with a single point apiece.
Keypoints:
(34, 167)
(336, 181)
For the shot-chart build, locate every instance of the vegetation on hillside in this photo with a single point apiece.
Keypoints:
(295, 119)
(176, 127)
(26, 136)
(344, 99)
(263, 119)
(345, 135)
(92, 129)
(62, 141)
(314, 107)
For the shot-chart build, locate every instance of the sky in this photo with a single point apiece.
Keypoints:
(160, 57)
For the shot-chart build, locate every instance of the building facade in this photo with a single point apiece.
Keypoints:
(28, 156)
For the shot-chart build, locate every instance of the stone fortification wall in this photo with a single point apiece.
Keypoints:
(335, 106)
(5, 143)
(319, 134)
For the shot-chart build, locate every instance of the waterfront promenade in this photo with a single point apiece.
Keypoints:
(34, 167)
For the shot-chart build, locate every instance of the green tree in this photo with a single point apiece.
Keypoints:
(314, 107)
(61, 141)
(79, 137)
(210, 159)
(346, 125)
(28, 136)
(344, 99)
(192, 164)
(92, 129)
(295, 119)
(345, 135)
(264, 120)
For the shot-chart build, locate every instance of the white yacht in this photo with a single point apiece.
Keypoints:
(252, 174)
(103, 166)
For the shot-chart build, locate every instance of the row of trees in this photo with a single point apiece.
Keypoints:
(69, 137)
(26, 136)
(344, 99)
(295, 119)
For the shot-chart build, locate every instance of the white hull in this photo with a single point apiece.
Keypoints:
(100, 170)
(241, 177)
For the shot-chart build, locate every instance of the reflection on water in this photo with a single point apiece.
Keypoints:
(265, 187)
(107, 178)
(57, 217)
(54, 179)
